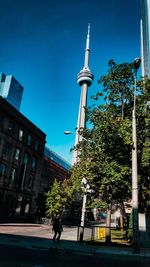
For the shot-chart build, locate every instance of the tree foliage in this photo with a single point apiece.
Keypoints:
(57, 198)
(105, 152)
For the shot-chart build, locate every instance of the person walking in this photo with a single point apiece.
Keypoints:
(57, 228)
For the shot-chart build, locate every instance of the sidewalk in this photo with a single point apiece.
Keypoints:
(37, 236)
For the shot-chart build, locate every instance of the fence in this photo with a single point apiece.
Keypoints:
(98, 234)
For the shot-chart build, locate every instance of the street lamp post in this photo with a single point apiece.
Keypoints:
(86, 188)
(76, 152)
(137, 62)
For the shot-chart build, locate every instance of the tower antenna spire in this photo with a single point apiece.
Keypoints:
(87, 49)
(89, 28)
(84, 79)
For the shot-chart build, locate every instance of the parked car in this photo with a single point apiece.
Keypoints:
(101, 215)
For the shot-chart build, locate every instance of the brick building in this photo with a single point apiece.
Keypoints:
(21, 154)
(54, 167)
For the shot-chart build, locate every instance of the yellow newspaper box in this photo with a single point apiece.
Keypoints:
(101, 232)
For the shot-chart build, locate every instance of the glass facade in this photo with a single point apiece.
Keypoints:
(11, 90)
(145, 37)
(56, 158)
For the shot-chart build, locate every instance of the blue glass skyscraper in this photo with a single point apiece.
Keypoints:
(145, 37)
(11, 90)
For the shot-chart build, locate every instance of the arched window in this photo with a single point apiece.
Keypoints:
(34, 161)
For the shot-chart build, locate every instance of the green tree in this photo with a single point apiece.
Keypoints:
(105, 153)
(57, 198)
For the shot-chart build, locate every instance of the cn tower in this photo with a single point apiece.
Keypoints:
(84, 79)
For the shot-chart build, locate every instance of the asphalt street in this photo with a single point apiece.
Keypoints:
(30, 245)
(23, 257)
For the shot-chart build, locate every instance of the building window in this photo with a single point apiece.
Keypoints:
(20, 135)
(26, 158)
(17, 154)
(22, 175)
(36, 145)
(6, 149)
(30, 181)
(33, 165)
(27, 207)
(2, 170)
(13, 175)
(29, 139)
(19, 203)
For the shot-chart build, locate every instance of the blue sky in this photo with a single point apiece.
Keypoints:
(42, 46)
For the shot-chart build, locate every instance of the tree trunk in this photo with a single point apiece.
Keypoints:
(121, 221)
(122, 212)
(108, 225)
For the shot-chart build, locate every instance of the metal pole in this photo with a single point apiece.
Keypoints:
(83, 209)
(83, 215)
(134, 175)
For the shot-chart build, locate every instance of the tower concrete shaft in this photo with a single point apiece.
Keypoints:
(84, 79)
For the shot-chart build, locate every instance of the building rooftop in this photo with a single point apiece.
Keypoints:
(56, 158)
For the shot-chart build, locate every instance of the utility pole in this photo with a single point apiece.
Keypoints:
(137, 62)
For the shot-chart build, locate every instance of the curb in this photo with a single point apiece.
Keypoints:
(97, 253)
(84, 251)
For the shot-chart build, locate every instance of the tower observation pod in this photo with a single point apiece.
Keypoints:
(84, 79)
